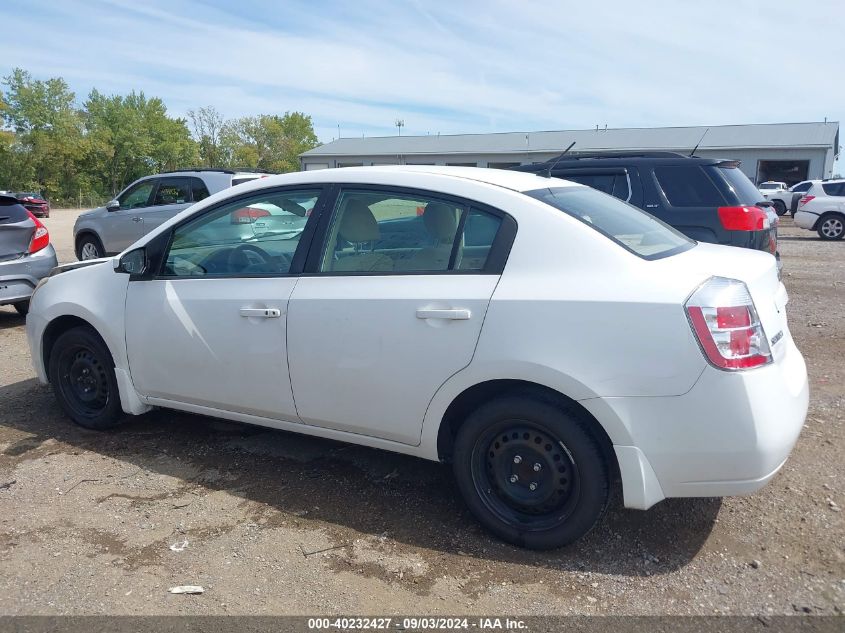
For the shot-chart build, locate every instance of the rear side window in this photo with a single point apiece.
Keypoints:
(614, 184)
(740, 190)
(242, 180)
(198, 190)
(834, 188)
(630, 227)
(172, 191)
(687, 186)
(802, 186)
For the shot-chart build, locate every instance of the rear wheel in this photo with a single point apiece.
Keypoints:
(780, 207)
(82, 375)
(89, 247)
(530, 472)
(831, 226)
(22, 307)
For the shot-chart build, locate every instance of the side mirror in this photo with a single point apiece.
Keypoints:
(112, 205)
(133, 262)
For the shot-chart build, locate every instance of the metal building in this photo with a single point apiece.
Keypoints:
(788, 152)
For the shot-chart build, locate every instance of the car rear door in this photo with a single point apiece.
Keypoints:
(386, 313)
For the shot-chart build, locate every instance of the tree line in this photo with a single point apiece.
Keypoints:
(86, 153)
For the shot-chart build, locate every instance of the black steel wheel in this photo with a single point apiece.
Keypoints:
(780, 207)
(82, 375)
(22, 307)
(531, 472)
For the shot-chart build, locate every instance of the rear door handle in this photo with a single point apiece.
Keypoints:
(262, 313)
(454, 315)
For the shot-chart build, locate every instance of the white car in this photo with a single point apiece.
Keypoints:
(822, 209)
(540, 335)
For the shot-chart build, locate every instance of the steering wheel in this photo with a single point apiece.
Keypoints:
(246, 255)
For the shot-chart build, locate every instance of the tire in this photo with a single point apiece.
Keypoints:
(22, 307)
(89, 247)
(780, 207)
(831, 226)
(81, 372)
(509, 438)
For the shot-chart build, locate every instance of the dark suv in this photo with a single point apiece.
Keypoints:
(707, 199)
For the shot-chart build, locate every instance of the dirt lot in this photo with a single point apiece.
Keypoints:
(87, 520)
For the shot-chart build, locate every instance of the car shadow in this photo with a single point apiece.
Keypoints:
(410, 500)
(9, 318)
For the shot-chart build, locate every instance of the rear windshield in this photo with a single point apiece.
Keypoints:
(11, 212)
(630, 227)
(740, 190)
(770, 185)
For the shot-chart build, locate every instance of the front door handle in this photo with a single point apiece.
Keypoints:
(454, 315)
(137, 218)
(262, 313)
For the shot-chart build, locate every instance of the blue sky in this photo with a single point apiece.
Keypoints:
(448, 67)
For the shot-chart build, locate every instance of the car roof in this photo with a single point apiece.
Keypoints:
(507, 179)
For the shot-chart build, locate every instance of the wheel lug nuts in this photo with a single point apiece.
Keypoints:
(532, 486)
(517, 459)
(514, 479)
(537, 468)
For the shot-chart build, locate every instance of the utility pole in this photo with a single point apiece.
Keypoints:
(399, 123)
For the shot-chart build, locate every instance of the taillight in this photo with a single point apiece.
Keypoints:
(726, 325)
(41, 238)
(744, 218)
(805, 200)
(248, 215)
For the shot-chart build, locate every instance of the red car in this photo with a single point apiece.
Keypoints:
(34, 203)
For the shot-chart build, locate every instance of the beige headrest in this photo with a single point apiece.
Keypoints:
(358, 223)
(440, 221)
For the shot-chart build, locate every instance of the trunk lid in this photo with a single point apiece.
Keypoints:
(16, 229)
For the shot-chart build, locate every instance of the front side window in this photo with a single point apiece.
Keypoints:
(388, 232)
(625, 224)
(137, 196)
(253, 236)
(173, 191)
(614, 184)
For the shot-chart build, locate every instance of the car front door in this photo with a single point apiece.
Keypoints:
(172, 196)
(209, 328)
(122, 226)
(390, 307)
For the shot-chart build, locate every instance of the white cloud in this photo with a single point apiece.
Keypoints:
(451, 67)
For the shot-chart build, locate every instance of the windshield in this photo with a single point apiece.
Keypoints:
(630, 227)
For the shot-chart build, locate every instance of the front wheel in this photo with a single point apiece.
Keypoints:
(89, 247)
(22, 307)
(831, 226)
(82, 375)
(530, 472)
(780, 207)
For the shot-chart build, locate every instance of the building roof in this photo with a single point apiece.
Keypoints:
(764, 135)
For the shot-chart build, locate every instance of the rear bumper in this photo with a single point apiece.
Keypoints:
(805, 219)
(729, 435)
(19, 277)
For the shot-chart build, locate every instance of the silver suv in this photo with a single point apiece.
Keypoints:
(145, 204)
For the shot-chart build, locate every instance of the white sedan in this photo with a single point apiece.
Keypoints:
(544, 338)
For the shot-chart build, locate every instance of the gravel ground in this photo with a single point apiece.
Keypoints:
(273, 523)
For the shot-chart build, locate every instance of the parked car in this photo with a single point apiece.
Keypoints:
(771, 186)
(822, 209)
(144, 205)
(26, 255)
(787, 199)
(540, 335)
(706, 199)
(34, 202)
